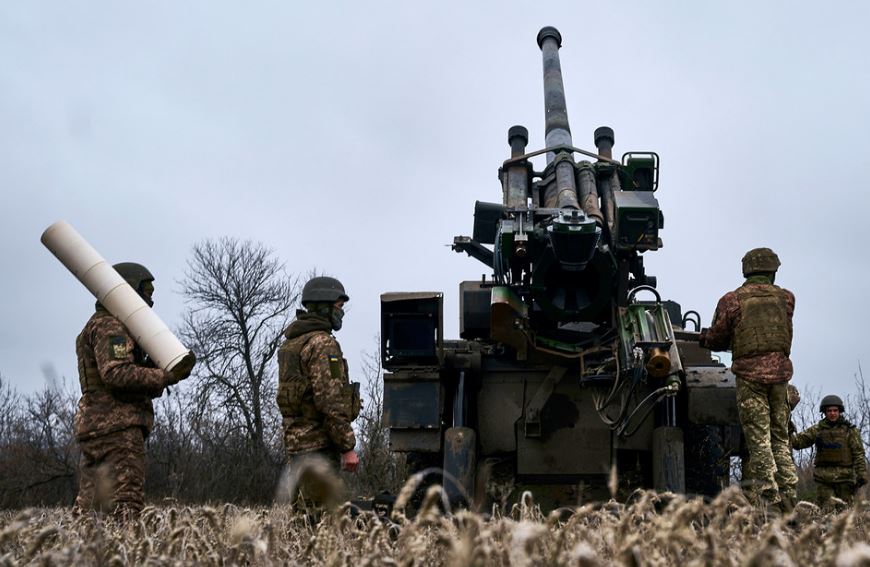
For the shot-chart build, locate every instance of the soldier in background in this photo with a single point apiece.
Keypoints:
(755, 322)
(115, 413)
(316, 399)
(840, 465)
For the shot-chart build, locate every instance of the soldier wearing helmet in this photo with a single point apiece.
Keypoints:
(840, 464)
(115, 413)
(316, 399)
(755, 322)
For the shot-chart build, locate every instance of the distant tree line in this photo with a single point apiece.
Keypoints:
(217, 436)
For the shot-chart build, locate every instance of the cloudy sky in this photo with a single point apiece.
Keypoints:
(356, 138)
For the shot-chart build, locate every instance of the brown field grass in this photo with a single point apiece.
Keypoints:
(651, 529)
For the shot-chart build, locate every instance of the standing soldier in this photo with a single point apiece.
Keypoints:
(316, 399)
(755, 322)
(840, 466)
(115, 413)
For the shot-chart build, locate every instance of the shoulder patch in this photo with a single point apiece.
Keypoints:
(336, 367)
(118, 347)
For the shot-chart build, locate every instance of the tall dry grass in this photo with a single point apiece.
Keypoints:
(650, 529)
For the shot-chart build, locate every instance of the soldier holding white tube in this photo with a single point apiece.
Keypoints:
(126, 357)
(115, 413)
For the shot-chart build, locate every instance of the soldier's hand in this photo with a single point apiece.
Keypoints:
(182, 370)
(349, 461)
(861, 482)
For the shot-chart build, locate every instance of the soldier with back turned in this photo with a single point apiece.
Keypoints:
(755, 323)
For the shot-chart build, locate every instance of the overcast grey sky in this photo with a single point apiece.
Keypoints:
(356, 138)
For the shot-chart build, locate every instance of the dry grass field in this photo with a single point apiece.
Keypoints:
(651, 529)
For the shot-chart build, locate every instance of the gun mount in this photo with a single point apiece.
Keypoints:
(562, 372)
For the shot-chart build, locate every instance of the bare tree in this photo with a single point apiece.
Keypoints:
(10, 402)
(240, 300)
(858, 406)
(38, 452)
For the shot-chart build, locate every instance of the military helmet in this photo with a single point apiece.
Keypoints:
(323, 289)
(793, 395)
(832, 400)
(133, 273)
(760, 260)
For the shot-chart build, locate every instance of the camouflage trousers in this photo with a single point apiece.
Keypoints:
(112, 473)
(311, 480)
(771, 475)
(845, 491)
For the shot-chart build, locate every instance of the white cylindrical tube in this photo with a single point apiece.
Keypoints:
(115, 294)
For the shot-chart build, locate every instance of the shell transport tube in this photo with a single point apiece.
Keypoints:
(116, 295)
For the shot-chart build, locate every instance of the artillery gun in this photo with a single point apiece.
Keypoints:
(569, 365)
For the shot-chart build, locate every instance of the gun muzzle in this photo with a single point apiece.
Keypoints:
(557, 130)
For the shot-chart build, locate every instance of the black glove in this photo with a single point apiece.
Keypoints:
(182, 370)
(861, 482)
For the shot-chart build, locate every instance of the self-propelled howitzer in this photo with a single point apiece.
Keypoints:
(569, 364)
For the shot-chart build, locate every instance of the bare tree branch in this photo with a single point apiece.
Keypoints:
(240, 299)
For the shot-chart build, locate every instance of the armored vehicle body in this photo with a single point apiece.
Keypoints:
(569, 366)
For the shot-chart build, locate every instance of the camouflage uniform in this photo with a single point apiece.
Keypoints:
(840, 463)
(114, 415)
(316, 400)
(762, 374)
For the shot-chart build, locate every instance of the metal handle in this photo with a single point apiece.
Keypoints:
(697, 320)
(649, 288)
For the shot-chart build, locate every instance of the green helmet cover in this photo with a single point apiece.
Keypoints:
(323, 289)
(134, 274)
(760, 260)
(832, 400)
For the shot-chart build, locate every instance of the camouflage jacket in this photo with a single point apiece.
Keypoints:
(316, 399)
(117, 380)
(768, 368)
(854, 446)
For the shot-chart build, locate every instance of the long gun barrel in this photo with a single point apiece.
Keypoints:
(564, 193)
(558, 132)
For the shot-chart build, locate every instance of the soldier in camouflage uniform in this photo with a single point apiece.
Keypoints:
(115, 414)
(316, 399)
(840, 465)
(755, 323)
